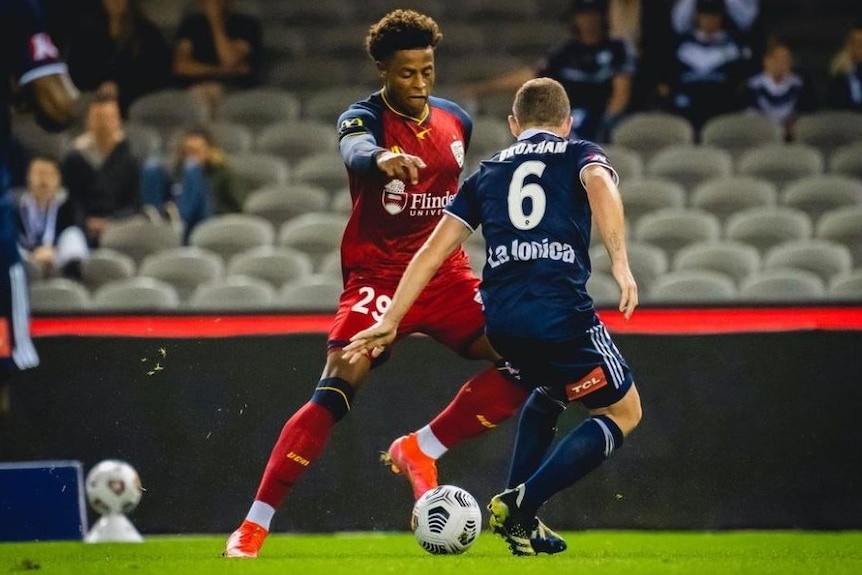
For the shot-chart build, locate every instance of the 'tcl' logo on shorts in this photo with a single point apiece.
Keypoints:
(594, 380)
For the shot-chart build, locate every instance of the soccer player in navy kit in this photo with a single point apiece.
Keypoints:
(29, 59)
(535, 201)
(404, 151)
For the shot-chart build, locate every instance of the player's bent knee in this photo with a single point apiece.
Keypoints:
(335, 395)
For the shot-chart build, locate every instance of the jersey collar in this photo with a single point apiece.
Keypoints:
(530, 132)
(425, 112)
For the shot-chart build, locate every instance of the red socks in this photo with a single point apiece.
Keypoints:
(301, 441)
(483, 402)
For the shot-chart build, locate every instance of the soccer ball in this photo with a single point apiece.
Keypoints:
(113, 487)
(446, 520)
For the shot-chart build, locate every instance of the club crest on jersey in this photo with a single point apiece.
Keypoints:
(394, 197)
(458, 151)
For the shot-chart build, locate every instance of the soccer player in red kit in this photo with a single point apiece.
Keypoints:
(404, 151)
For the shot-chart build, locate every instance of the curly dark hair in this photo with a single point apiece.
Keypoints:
(401, 30)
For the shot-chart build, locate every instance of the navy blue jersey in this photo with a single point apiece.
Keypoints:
(536, 219)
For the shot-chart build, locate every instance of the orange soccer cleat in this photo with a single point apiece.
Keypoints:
(246, 541)
(404, 456)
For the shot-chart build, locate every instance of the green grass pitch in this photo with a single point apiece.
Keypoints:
(601, 552)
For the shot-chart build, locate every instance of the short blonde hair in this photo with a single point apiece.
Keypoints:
(541, 102)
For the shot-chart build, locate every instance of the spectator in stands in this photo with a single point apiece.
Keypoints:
(101, 173)
(845, 83)
(216, 50)
(197, 185)
(595, 69)
(48, 223)
(707, 67)
(117, 49)
(778, 91)
(742, 15)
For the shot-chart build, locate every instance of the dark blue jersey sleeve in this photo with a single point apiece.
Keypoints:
(359, 129)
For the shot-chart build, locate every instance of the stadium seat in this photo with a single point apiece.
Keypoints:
(326, 104)
(314, 293)
(54, 295)
(476, 252)
(692, 286)
(764, 228)
(279, 203)
(628, 163)
(647, 262)
(259, 107)
(847, 160)
(276, 265)
(233, 293)
(649, 132)
(302, 75)
(145, 141)
(822, 257)
(843, 225)
(733, 259)
(296, 139)
(166, 109)
(315, 234)
(255, 170)
(648, 195)
(780, 163)
(603, 289)
(136, 294)
(232, 137)
(726, 196)
(325, 170)
(490, 134)
(230, 234)
(737, 131)
(461, 70)
(185, 268)
(104, 265)
(32, 270)
(782, 285)
(846, 286)
(673, 228)
(690, 165)
(828, 129)
(525, 37)
(342, 202)
(320, 13)
(139, 237)
(816, 195)
(330, 264)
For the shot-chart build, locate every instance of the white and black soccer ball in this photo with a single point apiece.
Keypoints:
(446, 520)
(113, 487)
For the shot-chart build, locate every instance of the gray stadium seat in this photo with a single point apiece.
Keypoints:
(233, 293)
(315, 234)
(58, 295)
(690, 165)
(279, 203)
(782, 285)
(327, 104)
(325, 170)
(185, 268)
(490, 134)
(476, 252)
(232, 137)
(672, 228)
(330, 264)
(167, 109)
(342, 202)
(816, 195)
(764, 228)
(35, 140)
(104, 265)
(780, 163)
(737, 131)
(603, 289)
(846, 286)
(259, 107)
(649, 132)
(733, 259)
(296, 139)
(302, 75)
(692, 286)
(230, 234)
(822, 257)
(628, 163)
(275, 265)
(726, 196)
(255, 170)
(847, 160)
(843, 225)
(314, 293)
(828, 129)
(648, 195)
(647, 262)
(145, 141)
(136, 294)
(139, 237)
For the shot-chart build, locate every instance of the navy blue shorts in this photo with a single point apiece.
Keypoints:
(16, 348)
(588, 369)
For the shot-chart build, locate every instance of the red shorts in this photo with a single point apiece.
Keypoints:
(449, 309)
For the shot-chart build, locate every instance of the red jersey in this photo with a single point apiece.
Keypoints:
(391, 219)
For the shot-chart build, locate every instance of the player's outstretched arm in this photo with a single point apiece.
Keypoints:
(447, 236)
(607, 207)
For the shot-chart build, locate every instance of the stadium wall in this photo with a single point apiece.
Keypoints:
(745, 429)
